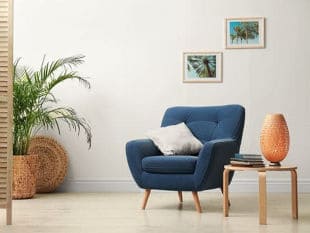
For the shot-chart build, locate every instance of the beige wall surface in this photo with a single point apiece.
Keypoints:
(133, 54)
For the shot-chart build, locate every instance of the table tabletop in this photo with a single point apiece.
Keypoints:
(266, 168)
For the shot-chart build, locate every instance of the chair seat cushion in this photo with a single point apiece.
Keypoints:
(177, 164)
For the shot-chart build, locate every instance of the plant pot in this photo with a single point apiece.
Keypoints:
(24, 176)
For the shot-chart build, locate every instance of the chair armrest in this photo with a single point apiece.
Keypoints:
(136, 150)
(212, 158)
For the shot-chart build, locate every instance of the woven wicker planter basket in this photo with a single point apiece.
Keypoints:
(52, 163)
(24, 176)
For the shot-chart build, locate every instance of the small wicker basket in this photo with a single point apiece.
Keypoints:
(52, 163)
(24, 176)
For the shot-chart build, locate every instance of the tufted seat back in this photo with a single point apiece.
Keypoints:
(209, 123)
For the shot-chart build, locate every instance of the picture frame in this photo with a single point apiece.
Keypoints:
(245, 33)
(202, 67)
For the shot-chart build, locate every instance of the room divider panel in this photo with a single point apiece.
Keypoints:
(6, 105)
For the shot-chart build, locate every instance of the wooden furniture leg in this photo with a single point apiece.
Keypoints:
(146, 197)
(9, 206)
(9, 214)
(262, 198)
(180, 196)
(294, 194)
(197, 202)
(225, 192)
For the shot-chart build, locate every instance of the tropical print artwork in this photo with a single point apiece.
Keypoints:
(201, 66)
(244, 32)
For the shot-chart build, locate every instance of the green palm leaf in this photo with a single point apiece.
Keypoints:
(34, 102)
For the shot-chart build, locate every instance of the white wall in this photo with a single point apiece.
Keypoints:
(133, 54)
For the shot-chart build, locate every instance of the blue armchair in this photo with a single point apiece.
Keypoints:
(219, 128)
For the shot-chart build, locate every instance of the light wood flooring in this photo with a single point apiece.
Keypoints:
(121, 213)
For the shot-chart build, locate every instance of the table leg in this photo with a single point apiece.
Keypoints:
(294, 194)
(262, 198)
(225, 192)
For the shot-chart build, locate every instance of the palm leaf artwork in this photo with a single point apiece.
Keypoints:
(244, 31)
(202, 66)
(35, 106)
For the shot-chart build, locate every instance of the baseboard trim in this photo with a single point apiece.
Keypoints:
(124, 185)
(273, 185)
(99, 186)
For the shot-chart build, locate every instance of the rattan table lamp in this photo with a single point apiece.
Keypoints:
(274, 139)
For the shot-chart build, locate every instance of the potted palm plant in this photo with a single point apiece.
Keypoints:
(35, 107)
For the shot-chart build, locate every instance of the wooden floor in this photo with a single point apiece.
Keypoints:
(120, 212)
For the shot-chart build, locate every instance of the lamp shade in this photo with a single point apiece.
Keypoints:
(274, 138)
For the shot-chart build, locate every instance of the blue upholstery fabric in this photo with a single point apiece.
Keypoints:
(209, 123)
(219, 128)
(177, 164)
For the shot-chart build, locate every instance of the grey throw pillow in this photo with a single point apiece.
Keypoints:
(175, 140)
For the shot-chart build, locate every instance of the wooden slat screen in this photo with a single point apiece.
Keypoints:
(6, 68)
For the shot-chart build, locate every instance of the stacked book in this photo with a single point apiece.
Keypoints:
(247, 160)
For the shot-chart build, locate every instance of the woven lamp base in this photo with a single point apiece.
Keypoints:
(52, 163)
(274, 138)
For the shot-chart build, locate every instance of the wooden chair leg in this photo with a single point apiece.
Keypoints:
(180, 196)
(197, 202)
(146, 197)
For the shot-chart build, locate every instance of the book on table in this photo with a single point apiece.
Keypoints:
(250, 160)
(248, 163)
(247, 160)
(248, 156)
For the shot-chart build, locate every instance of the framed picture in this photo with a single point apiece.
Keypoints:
(243, 33)
(202, 67)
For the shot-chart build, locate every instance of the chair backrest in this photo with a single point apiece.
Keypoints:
(209, 123)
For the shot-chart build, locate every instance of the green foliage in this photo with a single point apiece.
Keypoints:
(204, 66)
(245, 31)
(34, 104)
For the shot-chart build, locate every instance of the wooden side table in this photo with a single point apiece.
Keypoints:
(262, 188)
